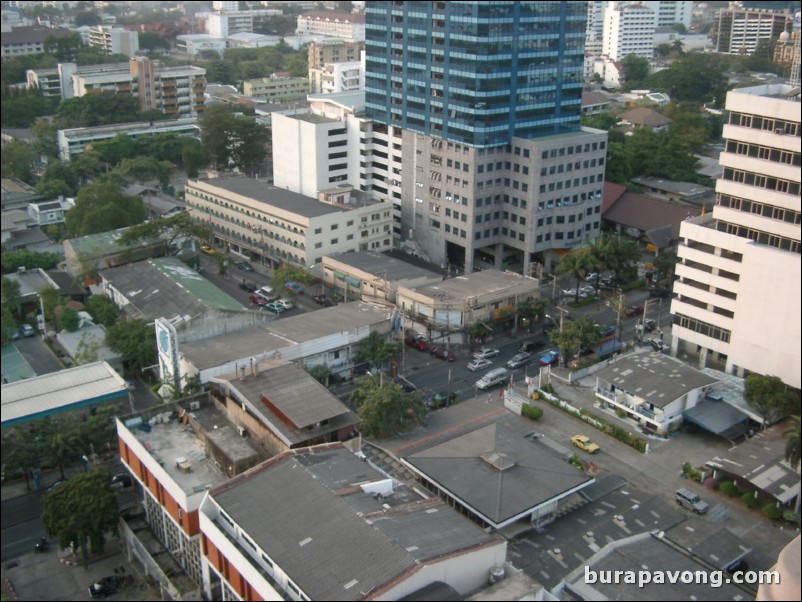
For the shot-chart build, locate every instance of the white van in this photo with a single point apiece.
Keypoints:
(267, 293)
(492, 378)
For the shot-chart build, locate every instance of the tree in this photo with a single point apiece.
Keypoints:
(167, 229)
(87, 350)
(576, 335)
(150, 41)
(62, 444)
(46, 142)
(600, 121)
(102, 206)
(232, 140)
(86, 18)
(58, 179)
(193, 156)
(477, 332)
(321, 373)
(577, 264)
(103, 310)
(135, 341)
(50, 300)
(634, 69)
(10, 297)
(21, 453)
(793, 450)
(97, 109)
(68, 319)
(81, 511)
(22, 258)
(665, 263)
(17, 159)
(8, 325)
(64, 48)
(532, 310)
(144, 169)
(376, 350)
(619, 163)
(385, 408)
(770, 397)
(615, 253)
(695, 76)
(114, 150)
(289, 273)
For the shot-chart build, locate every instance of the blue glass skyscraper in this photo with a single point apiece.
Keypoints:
(475, 73)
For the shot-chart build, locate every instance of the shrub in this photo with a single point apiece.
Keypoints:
(772, 511)
(792, 517)
(749, 499)
(576, 461)
(729, 488)
(531, 412)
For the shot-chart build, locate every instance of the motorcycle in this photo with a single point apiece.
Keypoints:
(43, 545)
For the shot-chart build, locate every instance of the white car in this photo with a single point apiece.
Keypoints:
(571, 293)
(284, 303)
(479, 364)
(485, 353)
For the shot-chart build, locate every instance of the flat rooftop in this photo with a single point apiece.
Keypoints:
(284, 332)
(657, 378)
(688, 189)
(275, 197)
(379, 264)
(486, 282)
(170, 441)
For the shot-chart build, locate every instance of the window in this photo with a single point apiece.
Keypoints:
(318, 230)
(334, 241)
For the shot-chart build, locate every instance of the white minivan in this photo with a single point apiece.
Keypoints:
(492, 378)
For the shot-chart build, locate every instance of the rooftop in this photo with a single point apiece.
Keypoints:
(685, 189)
(499, 470)
(285, 332)
(103, 243)
(31, 281)
(284, 396)
(656, 378)
(271, 196)
(167, 287)
(645, 116)
(647, 213)
(486, 282)
(363, 530)
(63, 390)
(379, 264)
(121, 128)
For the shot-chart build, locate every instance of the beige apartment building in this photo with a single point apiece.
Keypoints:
(739, 271)
(274, 226)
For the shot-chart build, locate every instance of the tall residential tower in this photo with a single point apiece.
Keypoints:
(497, 169)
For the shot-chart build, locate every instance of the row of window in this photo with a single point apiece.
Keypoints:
(703, 328)
(769, 124)
(759, 236)
(553, 186)
(767, 153)
(237, 208)
(568, 235)
(570, 150)
(762, 209)
(567, 167)
(760, 181)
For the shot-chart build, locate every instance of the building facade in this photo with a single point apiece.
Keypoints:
(628, 29)
(739, 272)
(334, 24)
(114, 40)
(276, 89)
(333, 51)
(486, 129)
(740, 29)
(337, 77)
(274, 226)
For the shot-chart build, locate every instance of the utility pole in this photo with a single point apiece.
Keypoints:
(553, 288)
(618, 311)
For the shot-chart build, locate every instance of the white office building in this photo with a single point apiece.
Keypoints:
(114, 40)
(628, 29)
(739, 271)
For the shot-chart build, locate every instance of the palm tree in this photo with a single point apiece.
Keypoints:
(615, 253)
(792, 447)
(577, 264)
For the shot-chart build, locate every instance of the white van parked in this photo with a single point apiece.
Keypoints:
(492, 378)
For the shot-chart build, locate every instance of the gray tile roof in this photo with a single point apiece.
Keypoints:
(497, 470)
(659, 379)
(379, 264)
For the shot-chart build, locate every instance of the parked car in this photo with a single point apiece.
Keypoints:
(688, 499)
(323, 300)
(258, 300)
(571, 293)
(276, 308)
(606, 332)
(440, 400)
(110, 585)
(244, 266)
(593, 277)
(549, 358)
(443, 354)
(647, 325)
(121, 480)
(27, 330)
(208, 250)
(418, 342)
(294, 287)
(634, 310)
(606, 284)
(479, 364)
(486, 352)
(407, 386)
(585, 444)
(659, 293)
(247, 286)
(535, 345)
(521, 359)
(284, 303)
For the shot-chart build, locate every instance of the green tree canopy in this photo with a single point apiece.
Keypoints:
(664, 263)
(10, 294)
(385, 408)
(149, 41)
(793, 449)
(58, 179)
(102, 206)
(144, 169)
(770, 397)
(616, 253)
(167, 229)
(696, 76)
(97, 109)
(232, 140)
(376, 350)
(135, 341)
(64, 48)
(86, 18)
(600, 121)
(635, 69)
(22, 258)
(103, 310)
(321, 373)
(81, 512)
(577, 264)
(17, 160)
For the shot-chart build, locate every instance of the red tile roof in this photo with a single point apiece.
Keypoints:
(647, 213)
(610, 194)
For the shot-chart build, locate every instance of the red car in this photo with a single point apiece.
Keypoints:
(257, 300)
(634, 310)
(443, 354)
(417, 342)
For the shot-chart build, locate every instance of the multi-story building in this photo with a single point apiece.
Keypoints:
(488, 96)
(628, 29)
(200, 44)
(334, 24)
(178, 90)
(114, 40)
(272, 225)
(223, 24)
(740, 29)
(334, 145)
(333, 51)
(669, 13)
(337, 77)
(72, 142)
(227, 6)
(739, 271)
(25, 40)
(276, 88)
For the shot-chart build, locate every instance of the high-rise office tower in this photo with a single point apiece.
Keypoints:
(739, 271)
(496, 168)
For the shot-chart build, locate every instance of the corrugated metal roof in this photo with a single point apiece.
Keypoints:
(28, 399)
